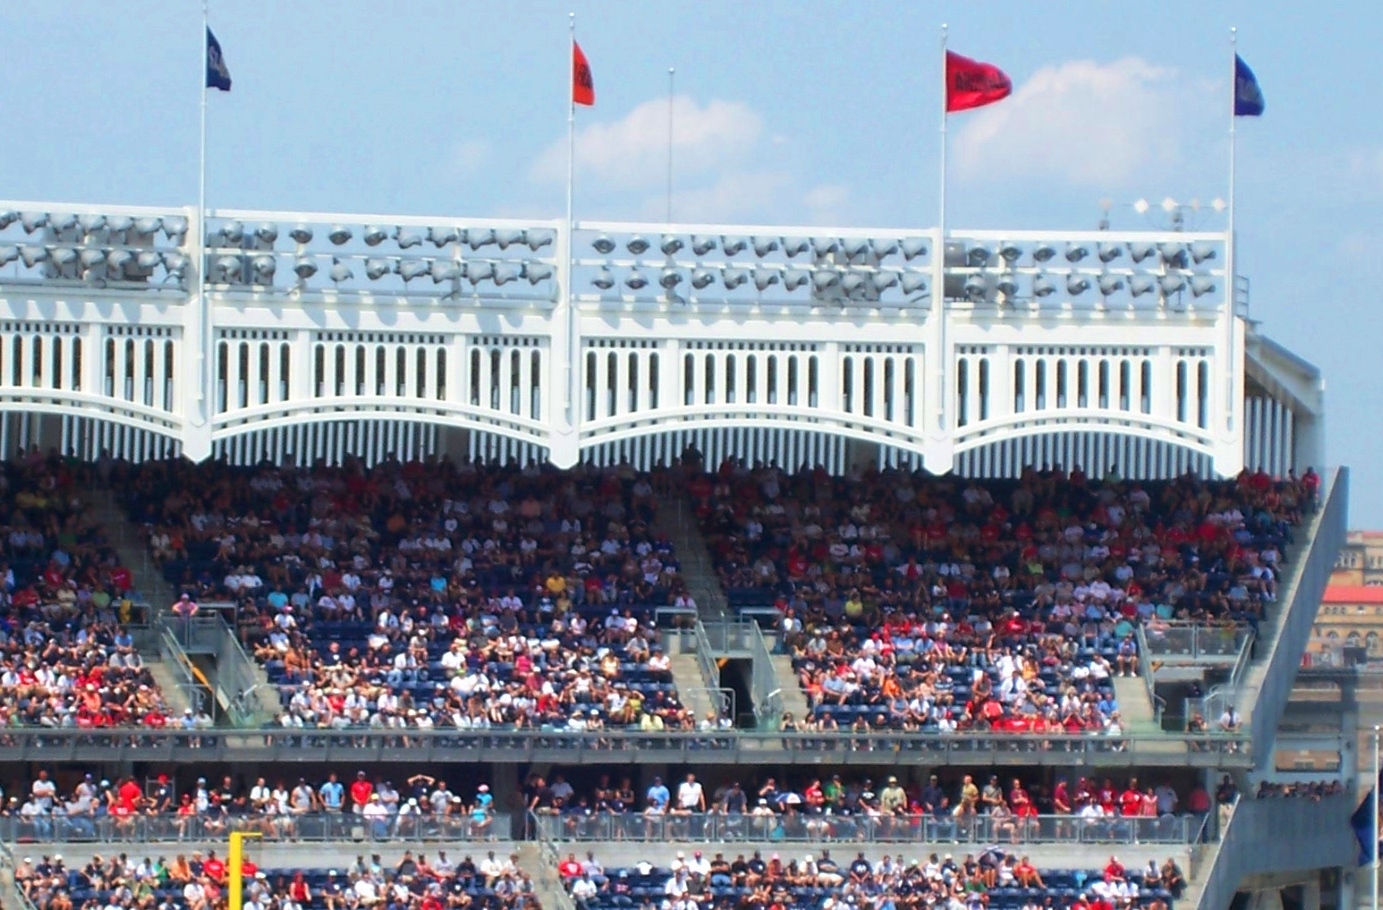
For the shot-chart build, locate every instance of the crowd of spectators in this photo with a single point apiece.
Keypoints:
(67, 659)
(199, 882)
(911, 602)
(963, 808)
(1315, 790)
(432, 595)
(992, 878)
(278, 807)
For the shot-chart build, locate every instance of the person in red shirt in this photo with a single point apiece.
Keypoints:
(569, 867)
(130, 795)
(1107, 797)
(1114, 870)
(360, 791)
(1026, 875)
(213, 868)
(1131, 801)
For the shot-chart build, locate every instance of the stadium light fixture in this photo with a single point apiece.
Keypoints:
(376, 268)
(1171, 284)
(32, 221)
(408, 239)
(266, 233)
(506, 272)
(374, 235)
(147, 226)
(733, 278)
(7, 218)
(1110, 252)
(703, 245)
(1202, 285)
(883, 248)
(302, 234)
(119, 224)
(977, 255)
(825, 280)
(702, 278)
(340, 271)
(670, 278)
(537, 272)
(854, 284)
(670, 245)
(1141, 250)
(796, 278)
(636, 280)
(1043, 252)
(477, 270)
(479, 237)
(175, 263)
(1109, 284)
(117, 260)
(148, 260)
(1139, 285)
(1174, 254)
(824, 246)
(175, 228)
(264, 268)
(1007, 285)
(1010, 252)
(504, 239)
(854, 247)
(913, 247)
(413, 268)
(8, 253)
(764, 245)
(304, 267)
(885, 280)
(228, 267)
(232, 233)
(339, 234)
(604, 279)
(914, 283)
(1141, 206)
(1075, 252)
(441, 236)
(763, 278)
(33, 255)
(451, 270)
(536, 240)
(975, 288)
(1042, 286)
(90, 224)
(603, 245)
(62, 222)
(637, 245)
(1077, 285)
(732, 245)
(1202, 250)
(92, 260)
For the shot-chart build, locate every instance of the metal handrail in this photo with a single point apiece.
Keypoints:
(363, 745)
(719, 827)
(314, 827)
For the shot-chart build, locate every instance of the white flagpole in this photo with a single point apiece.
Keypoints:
(939, 292)
(572, 352)
(1231, 290)
(1373, 822)
(204, 389)
(671, 83)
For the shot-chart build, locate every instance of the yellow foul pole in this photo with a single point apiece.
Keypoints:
(235, 892)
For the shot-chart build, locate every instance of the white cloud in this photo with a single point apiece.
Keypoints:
(1090, 124)
(631, 153)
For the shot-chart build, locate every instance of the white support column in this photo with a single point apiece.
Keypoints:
(563, 401)
(194, 403)
(1229, 441)
(939, 447)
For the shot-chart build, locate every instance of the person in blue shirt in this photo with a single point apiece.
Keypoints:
(658, 795)
(332, 793)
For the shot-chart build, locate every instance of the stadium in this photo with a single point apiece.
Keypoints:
(356, 561)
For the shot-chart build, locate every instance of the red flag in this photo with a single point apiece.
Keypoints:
(582, 85)
(971, 84)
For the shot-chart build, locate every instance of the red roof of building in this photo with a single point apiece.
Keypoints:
(1353, 594)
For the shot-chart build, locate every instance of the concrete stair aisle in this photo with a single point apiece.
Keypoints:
(794, 700)
(692, 685)
(547, 884)
(129, 540)
(677, 520)
(1135, 706)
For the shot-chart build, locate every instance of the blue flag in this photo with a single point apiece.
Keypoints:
(1248, 97)
(1365, 827)
(217, 73)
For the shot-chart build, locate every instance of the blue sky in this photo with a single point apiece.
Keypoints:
(811, 112)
